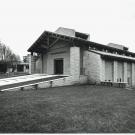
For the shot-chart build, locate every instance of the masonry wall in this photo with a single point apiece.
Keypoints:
(92, 64)
(75, 62)
(99, 69)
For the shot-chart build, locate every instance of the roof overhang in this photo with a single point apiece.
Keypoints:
(48, 39)
(107, 55)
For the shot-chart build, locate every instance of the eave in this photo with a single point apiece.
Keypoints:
(47, 38)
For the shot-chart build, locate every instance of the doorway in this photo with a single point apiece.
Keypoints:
(58, 66)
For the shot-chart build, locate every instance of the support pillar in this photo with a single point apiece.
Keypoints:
(115, 68)
(103, 70)
(75, 62)
(125, 71)
(133, 74)
(32, 64)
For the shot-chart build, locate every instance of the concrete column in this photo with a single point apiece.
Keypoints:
(75, 62)
(32, 63)
(133, 74)
(115, 68)
(125, 71)
(102, 70)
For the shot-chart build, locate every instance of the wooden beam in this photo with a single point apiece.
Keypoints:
(54, 42)
(48, 41)
(44, 47)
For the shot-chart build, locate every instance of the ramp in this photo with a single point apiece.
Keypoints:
(22, 81)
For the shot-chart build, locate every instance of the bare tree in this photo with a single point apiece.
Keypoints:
(6, 55)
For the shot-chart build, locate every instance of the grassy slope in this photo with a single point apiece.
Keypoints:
(68, 109)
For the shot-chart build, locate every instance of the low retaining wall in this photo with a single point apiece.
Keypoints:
(65, 81)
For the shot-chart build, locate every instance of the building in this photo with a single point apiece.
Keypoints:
(72, 53)
(26, 58)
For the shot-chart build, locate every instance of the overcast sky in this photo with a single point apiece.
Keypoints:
(23, 21)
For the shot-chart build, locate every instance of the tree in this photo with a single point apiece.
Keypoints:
(7, 57)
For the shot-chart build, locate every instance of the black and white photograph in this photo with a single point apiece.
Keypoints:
(67, 66)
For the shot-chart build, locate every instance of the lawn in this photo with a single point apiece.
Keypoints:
(73, 109)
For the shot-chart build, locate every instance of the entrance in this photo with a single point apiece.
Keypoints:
(58, 66)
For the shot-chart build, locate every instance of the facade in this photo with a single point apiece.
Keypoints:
(69, 52)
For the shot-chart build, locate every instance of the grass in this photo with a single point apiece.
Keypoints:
(73, 109)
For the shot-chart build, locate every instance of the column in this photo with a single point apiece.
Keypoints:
(133, 74)
(125, 71)
(115, 68)
(32, 63)
(75, 62)
(102, 72)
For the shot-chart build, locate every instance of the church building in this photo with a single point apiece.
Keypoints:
(72, 53)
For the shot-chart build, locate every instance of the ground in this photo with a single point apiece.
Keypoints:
(72, 109)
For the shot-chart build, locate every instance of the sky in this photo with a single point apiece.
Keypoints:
(23, 21)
